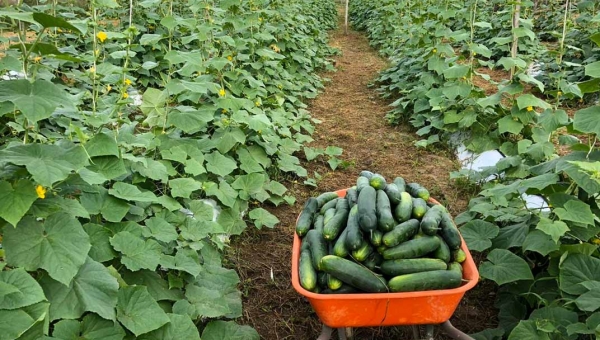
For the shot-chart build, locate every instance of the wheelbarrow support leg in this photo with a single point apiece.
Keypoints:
(453, 332)
(325, 333)
(415, 332)
(429, 332)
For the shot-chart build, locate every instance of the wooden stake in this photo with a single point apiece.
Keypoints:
(515, 43)
(346, 18)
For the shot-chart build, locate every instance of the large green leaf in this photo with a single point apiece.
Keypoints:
(58, 245)
(223, 191)
(247, 162)
(184, 187)
(526, 100)
(48, 21)
(540, 242)
(554, 319)
(153, 106)
(479, 234)
(180, 327)
(555, 229)
(586, 120)
(590, 301)
(152, 169)
(189, 119)
(156, 285)
(527, 330)
(219, 330)
(131, 192)
(92, 327)
(503, 267)
(228, 138)
(93, 289)
(102, 144)
(14, 323)
(507, 124)
(101, 250)
(186, 260)
(262, 217)
(220, 165)
(16, 200)
(138, 311)
(215, 278)
(593, 69)
(251, 185)
(576, 211)
(36, 100)
(18, 289)
(137, 253)
(578, 268)
(160, 229)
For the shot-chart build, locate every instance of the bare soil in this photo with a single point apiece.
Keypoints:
(352, 117)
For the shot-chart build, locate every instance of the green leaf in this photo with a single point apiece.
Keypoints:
(333, 151)
(93, 289)
(553, 119)
(250, 185)
(112, 208)
(555, 229)
(153, 169)
(575, 269)
(25, 17)
(456, 71)
(184, 187)
(138, 311)
(92, 327)
(58, 245)
(101, 250)
(247, 161)
(539, 242)
(586, 120)
(189, 120)
(527, 330)
(555, 319)
(478, 234)
(18, 289)
(228, 138)
(312, 153)
(137, 253)
(589, 301)
(102, 144)
(219, 330)
(576, 211)
(185, 260)
(503, 267)
(160, 229)
(276, 188)
(108, 167)
(48, 21)
(224, 192)
(593, 69)
(157, 287)
(16, 201)
(507, 124)
(14, 323)
(36, 100)
(220, 165)
(150, 39)
(131, 192)
(525, 100)
(153, 106)
(231, 222)
(180, 327)
(262, 217)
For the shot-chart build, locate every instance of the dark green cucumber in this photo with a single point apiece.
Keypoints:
(326, 197)
(361, 183)
(318, 247)
(385, 219)
(401, 233)
(403, 210)
(419, 208)
(307, 273)
(335, 225)
(333, 283)
(423, 281)
(459, 256)
(339, 248)
(322, 279)
(455, 266)
(416, 190)
(449, 231)
(307, 216)
(319, 223)
(412, 249)
(328, 205)
(367, 212)
(443, 252)
(342, 203)
(344, 289)
(393, 193)
(363, 252)
(381, 249)
(378, 182)
(352, 196)
(328, 215)
(400, 183)
(353, 274)
(409, 266)
(376, 238)
(366, 173)
(431, 220)
(354, 237)
(374, 260)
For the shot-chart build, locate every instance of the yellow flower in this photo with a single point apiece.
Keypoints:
(101, 36)
(230, 58)
(474, 54)
(257, 103)
(97, 52)
(260, 19)
(222, 92)
(127, 82)
(529, 109)
(37, 59)
(434, 50)
(92, 69)
(224, 111)
(41, 191)
(559, 93)
(275, 48)
(596, 240)
(125, 95)
(108, 88)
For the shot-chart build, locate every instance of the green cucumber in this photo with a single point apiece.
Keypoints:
(403, 210)
(412, 249)
(367, 212)
(329, 205)
(376, 238)
(319, 223)
(459, 256)
(419, 208)
(393, 193)
(361, 183)
(333, 283)
(306, 217)
(366, 173)
(381, 249)
(307, 273)
(318, 247)
(449, 231)
(400, 183)
(443, 252)
(352, 196)
(344, 289)
(363, 252)
(423, 281)
(401, 233)
(418, 191)
(322, 279)
(374, 260)
(342, 204)
(354, 237)
(431, 220)
(328, 215)
(339, 248)
(353, 274)
(378, 182)
(335, 225)
(326, 197)
(455, 266)
(409, 266)
(385, 219)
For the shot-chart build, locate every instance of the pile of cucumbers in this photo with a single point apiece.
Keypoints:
(381, 237)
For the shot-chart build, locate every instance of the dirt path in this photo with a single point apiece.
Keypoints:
(352, 118)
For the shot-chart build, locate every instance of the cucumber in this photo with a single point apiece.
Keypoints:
(455, 266)
(326, 197)
(400, 183)
(306, 216)
(333, 283)
(419, 208)
(381, 249)
(361, 183)
(363, 252)
(339, 248)
(354, 237)
(304, 245)
(376, 238)
(378, 182)
(342, 204)
(307, 273)
(353, 274)
(416, 190)
(335, 225)
(411, 249)
(459, 256)
(352, 196)
(328, 215)
(443, 251)
(322, 280)
(401, 233)
(449, 231)
(328, 205)
(432, 280)
(318, 247)
(385, 219)
(367, 216)
(431, 220)
(319, 223)
(403, 210)
(344, 289)
(374, 260)
(366, 173)
(393, 193)
(409, 266)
